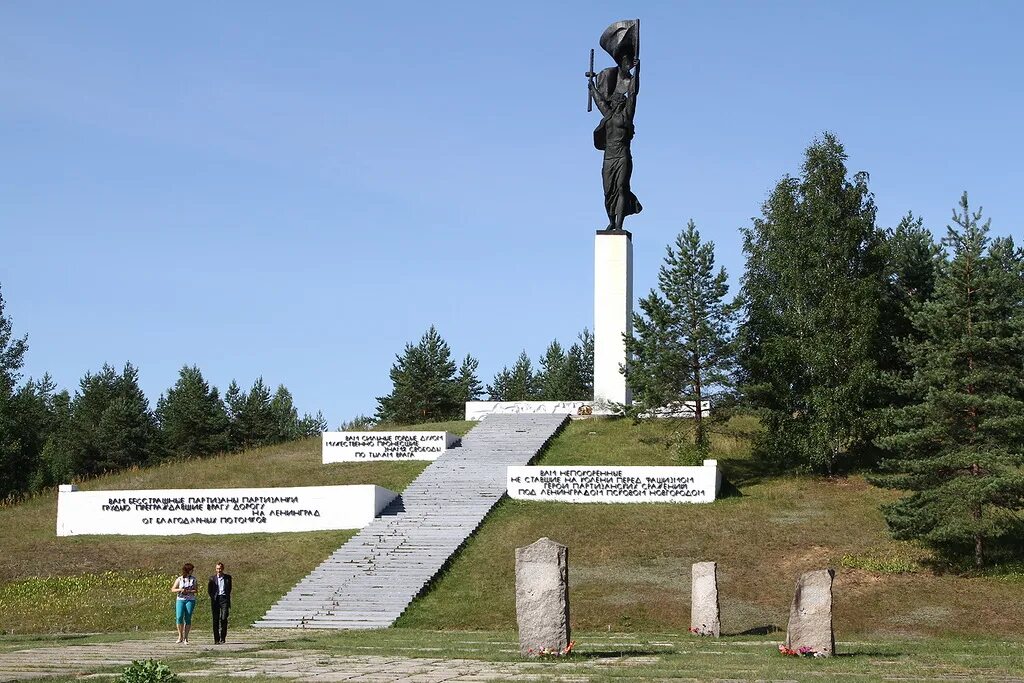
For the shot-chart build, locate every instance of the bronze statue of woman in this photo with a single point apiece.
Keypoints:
(615, 94)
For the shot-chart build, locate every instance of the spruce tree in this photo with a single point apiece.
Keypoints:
(192, 417)
(810, 341)
(681, 348)
(958, 443)
(424, 385)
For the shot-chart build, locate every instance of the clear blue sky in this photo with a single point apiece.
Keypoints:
(295, 190)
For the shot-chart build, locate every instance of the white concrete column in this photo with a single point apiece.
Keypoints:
(613, 313)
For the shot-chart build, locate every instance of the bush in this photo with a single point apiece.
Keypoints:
(149, 671)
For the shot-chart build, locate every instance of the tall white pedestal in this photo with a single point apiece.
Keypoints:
(613, 313)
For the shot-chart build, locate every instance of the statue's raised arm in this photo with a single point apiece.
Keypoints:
(602, 102)
(634, 88)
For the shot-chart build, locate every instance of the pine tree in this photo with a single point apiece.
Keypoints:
(517, 384)
(681, 348)
(469, 384)
(911, 258)
(284, 416)
(60, 457)
(95, 393)
(192, 417)
(958, 444)
(582, 355)
(34, 420)
(234, 403)
(255, 426)
(563, 375)
(424, 385)
(359, 423)
(810, 343)
(25, 425)
(124, 436)
(12, 353)
(552, 380)
(312, 425)
(112, 425)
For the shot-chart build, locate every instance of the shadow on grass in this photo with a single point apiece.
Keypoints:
(729, 490)
(765, 630)
(739, 472)
(607, 654)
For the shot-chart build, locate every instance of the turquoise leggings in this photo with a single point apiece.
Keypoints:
(183, 611)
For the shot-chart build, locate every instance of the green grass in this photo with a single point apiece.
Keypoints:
(616, 656)
(669, 655)
(122, 583)
(629, 564)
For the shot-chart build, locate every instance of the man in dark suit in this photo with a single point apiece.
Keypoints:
(219, 588)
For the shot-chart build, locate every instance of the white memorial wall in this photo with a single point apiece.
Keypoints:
(172, 512)
(613, 484)
(365, 446)
(478, 410)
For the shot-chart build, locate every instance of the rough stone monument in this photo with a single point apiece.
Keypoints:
(542, 597)
(705, 617)
(615, 91)
(810, 616)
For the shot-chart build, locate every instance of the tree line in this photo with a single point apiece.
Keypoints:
(50, 436)
(427, 386)
(858, 347)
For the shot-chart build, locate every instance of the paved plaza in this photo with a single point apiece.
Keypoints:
(256, 653)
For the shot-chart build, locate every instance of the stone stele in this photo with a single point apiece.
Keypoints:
(542, 597)
(704, 613)
(810, 616)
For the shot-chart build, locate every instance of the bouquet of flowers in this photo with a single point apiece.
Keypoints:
(548, 652)
(801, 652)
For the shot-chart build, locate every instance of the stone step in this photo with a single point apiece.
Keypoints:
(370, 581)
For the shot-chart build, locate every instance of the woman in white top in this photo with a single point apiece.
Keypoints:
(185, 587)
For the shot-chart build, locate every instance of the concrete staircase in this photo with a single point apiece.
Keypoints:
(369, 581)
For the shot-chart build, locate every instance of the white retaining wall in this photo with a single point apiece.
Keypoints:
(363, 446)
(612, 484)
(175, 512)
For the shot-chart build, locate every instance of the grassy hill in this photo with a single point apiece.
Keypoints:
(629, 564)
(122, 583)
